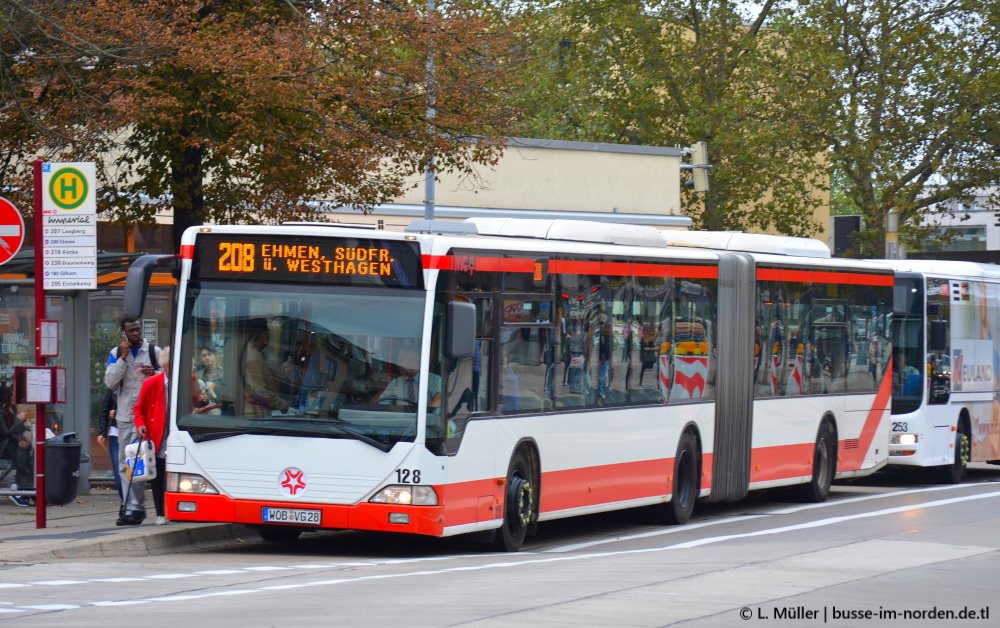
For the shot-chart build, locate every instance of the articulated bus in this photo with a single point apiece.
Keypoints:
(487, 375)
(946, 346)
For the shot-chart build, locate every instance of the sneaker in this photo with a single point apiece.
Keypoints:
(161, 521)
(20, 500)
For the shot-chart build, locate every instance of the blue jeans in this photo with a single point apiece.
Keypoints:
(113, 451)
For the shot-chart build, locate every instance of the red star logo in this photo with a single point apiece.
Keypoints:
(293, 481)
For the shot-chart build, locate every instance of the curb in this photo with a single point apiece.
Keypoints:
(132, 545)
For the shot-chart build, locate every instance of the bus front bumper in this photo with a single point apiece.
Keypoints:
(426, 520)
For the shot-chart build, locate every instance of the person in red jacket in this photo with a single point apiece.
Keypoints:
(151, 423)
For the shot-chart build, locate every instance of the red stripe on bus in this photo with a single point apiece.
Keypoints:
(852, 459)
(623, 269)
(781, 462)
(570, 267)
(822, 276)
(187, 251)
(675, 270)
(480, 263)
(606, 484)
(438, 262)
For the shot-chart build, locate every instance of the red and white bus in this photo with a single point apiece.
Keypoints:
(488, 375)
(946, 352)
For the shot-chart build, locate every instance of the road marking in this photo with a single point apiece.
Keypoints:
(574, 557)
(219, 572)
(715, 522)
(719, 592)
(528, 559)
(55, 583)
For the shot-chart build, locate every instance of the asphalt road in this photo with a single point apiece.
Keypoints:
(888, 551)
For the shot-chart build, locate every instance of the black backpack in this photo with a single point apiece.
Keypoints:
(152, 355)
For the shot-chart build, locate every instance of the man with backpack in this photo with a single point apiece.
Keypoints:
(129, 364)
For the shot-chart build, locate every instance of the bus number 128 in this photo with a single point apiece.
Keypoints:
(405, 476)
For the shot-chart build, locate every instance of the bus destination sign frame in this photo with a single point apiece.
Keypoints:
(359, 262)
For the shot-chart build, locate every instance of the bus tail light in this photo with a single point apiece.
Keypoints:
(189, 483)
(406, 495)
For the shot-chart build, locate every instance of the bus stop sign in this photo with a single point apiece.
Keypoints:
(11, 230)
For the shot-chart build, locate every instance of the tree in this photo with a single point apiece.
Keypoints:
(39, 98)
(671, 72)
(246, 111)
(908, 105)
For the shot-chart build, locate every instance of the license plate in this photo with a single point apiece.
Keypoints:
(291, 515)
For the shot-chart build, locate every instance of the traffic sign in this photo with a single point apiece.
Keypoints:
(69, 226)
(11, 230)
(68, 188)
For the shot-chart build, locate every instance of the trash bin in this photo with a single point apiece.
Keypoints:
(62, 469)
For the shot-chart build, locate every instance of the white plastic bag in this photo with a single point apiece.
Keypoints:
(140, 464)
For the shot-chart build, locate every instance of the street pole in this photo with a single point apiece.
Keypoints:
(40, 314)
(431, 113)
(892, 236)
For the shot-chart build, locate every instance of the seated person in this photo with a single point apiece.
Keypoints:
(402, 389)
(261, 396)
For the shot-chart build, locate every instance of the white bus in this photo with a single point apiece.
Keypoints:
(489, 375)
(946, 346)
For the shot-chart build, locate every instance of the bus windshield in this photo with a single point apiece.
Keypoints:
(287, 360)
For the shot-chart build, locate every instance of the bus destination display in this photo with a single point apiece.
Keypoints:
(336, 261)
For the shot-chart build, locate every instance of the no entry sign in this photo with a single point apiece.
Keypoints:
(11, 230)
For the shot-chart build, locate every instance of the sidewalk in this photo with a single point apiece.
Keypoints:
(86, 529)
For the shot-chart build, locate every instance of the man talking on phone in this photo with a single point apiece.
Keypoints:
(131, 362)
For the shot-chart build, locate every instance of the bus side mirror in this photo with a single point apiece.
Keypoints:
(137, 281)
(461, 341)
(938, 336)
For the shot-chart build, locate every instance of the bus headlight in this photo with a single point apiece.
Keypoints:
(903, 439)
(189, 483)
(415, 495)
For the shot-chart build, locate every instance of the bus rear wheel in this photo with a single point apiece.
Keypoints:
(518, 506)
(279, 534)
(824, 467)
(685, 482)
(954, 472)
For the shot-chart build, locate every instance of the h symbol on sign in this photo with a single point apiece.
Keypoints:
(65, 187)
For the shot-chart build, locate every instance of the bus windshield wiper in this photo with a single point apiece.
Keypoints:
(200, 437)
(339, 427)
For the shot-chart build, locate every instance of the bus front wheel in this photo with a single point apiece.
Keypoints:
(953, 473)
(518, 506)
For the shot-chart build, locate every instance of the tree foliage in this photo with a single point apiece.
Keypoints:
(671, 72)
(244, 111)
(908, 102)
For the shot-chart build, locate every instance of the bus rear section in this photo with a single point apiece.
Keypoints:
(945, 410)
